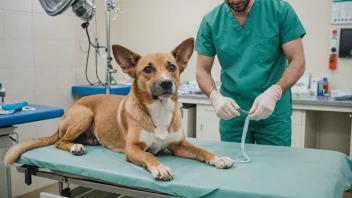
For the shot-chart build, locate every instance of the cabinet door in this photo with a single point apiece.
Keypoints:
(296, 136)
(206, 111)
(208, 129)
(297, 117)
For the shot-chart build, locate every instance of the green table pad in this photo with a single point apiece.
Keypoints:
(273, 171)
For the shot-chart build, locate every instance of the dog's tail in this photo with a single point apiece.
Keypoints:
(17, 150)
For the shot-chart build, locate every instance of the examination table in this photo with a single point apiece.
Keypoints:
(272, 172)
(8, 125)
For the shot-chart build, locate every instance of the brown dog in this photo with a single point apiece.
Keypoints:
(141, 124)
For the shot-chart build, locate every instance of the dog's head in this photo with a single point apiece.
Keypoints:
(156, 75)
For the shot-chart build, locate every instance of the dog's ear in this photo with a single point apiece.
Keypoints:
(126, 59)
(183, 52)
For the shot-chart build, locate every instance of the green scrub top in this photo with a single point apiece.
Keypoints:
(251, 57)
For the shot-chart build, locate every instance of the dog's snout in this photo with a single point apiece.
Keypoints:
(166, 84)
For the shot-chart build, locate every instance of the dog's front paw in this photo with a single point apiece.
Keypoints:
(77, 149)
(222, 162)
(162, 172)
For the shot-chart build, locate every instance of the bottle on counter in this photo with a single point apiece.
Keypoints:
(320, 87)
(326, 86)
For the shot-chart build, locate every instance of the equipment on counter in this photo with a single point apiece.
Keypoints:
(86, 11)
(334, 40)
(345, 43)
(2, 94)
(340, 93)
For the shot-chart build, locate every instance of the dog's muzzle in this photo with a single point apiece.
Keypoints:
(163, 89)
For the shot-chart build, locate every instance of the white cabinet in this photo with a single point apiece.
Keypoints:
(208, 129)
(296, 128)
(188, 114)
(321, 126)
(207, 123)
(206, 111)
(304, 124)
(296, 136)
(304, 129)
(208, 126)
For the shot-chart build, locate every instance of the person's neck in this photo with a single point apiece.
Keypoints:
(245, 12)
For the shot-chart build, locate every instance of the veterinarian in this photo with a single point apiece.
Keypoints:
(259, 47)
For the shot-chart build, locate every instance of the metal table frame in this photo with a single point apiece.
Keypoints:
(63, 177)
(6, 141)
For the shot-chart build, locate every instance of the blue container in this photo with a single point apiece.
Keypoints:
(320, 88)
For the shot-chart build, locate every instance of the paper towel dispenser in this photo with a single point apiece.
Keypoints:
(345, 50)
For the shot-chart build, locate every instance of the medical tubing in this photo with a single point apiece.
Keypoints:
(85, 26)
(243, 141)
(96, 66)
(87, 66)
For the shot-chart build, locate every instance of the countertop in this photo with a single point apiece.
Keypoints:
(87, 90)
(40, 113)
(314, 100)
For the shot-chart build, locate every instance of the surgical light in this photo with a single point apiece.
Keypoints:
(84, 9)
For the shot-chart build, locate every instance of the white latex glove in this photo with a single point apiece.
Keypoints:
(225, 108)
(265, 103)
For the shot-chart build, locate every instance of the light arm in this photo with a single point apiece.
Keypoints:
(295, 54)
(265, 103)
(225, 108)
(203, 74)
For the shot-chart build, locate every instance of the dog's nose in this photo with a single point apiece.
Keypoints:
(166, 84)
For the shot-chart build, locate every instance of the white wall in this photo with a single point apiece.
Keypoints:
(40, 60)
(316, 17)
(159, 25)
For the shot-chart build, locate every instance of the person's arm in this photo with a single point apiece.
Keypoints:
(203, 74)
(265, 103)
(295, 54)
(291, 32)
(225, 108)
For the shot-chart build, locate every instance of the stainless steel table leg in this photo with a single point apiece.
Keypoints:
(5, 172)
(5, 177)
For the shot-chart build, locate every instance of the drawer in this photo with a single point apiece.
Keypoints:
(206, 111)
(297, 117)
(208, 129)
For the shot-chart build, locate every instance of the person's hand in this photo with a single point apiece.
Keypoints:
(265, 103)
(225, 108)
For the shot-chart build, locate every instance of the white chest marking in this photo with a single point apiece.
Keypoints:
(154, 144)
(161, 112)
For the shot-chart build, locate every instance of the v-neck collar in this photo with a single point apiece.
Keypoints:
(249, 20)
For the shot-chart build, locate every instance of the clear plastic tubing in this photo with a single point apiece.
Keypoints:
(243, 141)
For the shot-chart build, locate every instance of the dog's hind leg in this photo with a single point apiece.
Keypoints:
(76, 121)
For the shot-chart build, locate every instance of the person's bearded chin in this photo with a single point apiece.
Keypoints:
(238, 6)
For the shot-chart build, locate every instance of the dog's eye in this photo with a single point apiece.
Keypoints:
(172, 68)
(148, 70)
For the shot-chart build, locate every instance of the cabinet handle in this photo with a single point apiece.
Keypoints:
(211, 110)
(201, 127)
(351, 116)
